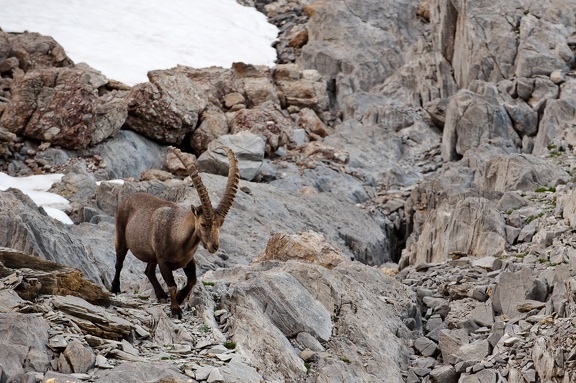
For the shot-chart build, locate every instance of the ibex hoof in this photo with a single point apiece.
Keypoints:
(177, 313)
(161, 296)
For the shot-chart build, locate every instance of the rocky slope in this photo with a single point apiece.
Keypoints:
(431, 141)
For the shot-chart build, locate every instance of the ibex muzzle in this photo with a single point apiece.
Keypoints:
(162, 233)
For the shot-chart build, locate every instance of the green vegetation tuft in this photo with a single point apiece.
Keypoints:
(230, 345)
(204, 328)
(207, 283)
(543, 189)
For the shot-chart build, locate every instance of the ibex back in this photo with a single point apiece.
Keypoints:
(162, 233)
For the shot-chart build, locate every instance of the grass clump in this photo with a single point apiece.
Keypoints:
(230, 345)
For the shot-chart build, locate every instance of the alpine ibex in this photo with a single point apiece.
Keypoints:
(162, 233)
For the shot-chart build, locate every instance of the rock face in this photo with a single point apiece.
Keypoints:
(335, 307)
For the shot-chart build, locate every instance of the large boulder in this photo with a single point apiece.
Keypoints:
(64, 106)
(167, 108)
(519, 172)
(268, 121)
(556, 126)
(248, 148)
(305, 247)
(472, 227)
(543, 47)
(342, 308)
(473, 119)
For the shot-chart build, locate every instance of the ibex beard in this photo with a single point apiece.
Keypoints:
(162, 233)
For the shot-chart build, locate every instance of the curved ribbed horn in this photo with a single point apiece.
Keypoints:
(192, 170)
(231, 185)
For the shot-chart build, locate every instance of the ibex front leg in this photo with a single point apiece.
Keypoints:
(190, 271)
(172, 290)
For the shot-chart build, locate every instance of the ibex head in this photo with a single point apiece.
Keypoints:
(208, 219)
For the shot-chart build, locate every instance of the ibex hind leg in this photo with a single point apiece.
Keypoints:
(190, 271)
(151, 274)
(121, 252)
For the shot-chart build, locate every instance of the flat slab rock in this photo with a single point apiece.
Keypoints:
(92, 319)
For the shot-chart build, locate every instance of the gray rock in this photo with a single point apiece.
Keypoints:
(488, 263)
(309, 341)
(92, 319)
(331, 46)
(56, 377)
(520, 172)
(80, 358)
(483, 313)
(476, 350)
(484, 376)
(128, 154)
(425, 346)
(27, 335)
(9, 301)
(511, 200)
(249, 150)
(512, 234)
(444, 374)
(527, 232)
(215, 376)
(450, 341)
(469, 113)
(533, 58)
(472, 226)
(141, 371)
(512, 289)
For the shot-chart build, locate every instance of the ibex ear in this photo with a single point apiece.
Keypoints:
(196, 210)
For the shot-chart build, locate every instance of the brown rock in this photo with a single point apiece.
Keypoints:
(299, 39)
(307, 247)
(34, 51)
(214, 124)
(46, 277)
(167, 108)
(63, 106)
(267, 121)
